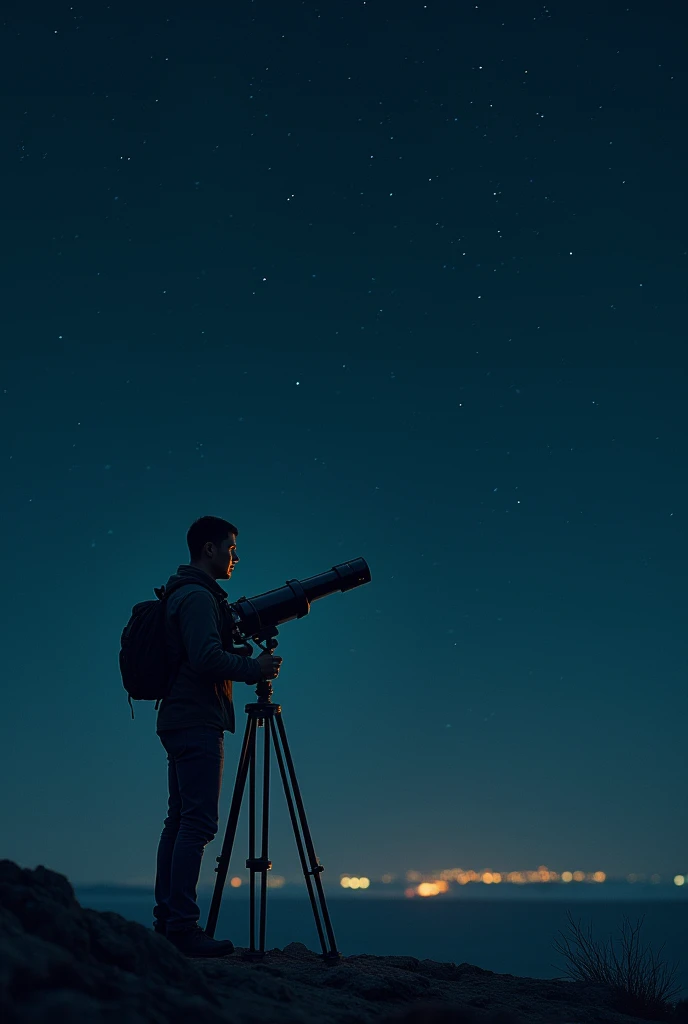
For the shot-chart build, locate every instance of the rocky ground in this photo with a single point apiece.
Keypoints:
(62, 964)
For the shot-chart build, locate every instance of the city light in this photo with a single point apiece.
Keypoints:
(428, 889)
(435, 883)
(489, 877)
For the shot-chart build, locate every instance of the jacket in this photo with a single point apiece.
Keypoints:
(198, 634)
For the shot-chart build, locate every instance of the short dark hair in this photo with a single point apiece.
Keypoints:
(207, 528)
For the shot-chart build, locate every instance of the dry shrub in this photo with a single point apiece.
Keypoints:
(642, 984)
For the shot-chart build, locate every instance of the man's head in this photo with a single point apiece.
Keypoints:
(212, 546)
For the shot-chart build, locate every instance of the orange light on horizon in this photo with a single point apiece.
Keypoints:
(428, 889)
(235, 882)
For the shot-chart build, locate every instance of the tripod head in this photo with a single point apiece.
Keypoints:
(267, 640)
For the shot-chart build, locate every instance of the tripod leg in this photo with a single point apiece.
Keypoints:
(258, 865)
(264, 838)
(246, 756)
(252, 845)
(311, 875)
(297, 836)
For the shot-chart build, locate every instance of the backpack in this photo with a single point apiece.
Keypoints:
(144, 662)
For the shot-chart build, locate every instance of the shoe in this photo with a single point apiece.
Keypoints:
(194, 942)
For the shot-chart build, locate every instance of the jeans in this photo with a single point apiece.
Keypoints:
(195, 758)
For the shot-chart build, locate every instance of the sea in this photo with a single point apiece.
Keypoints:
(509, 934)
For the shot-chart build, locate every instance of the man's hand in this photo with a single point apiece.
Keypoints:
(269, 665)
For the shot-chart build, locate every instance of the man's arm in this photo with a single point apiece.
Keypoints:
(199, 625)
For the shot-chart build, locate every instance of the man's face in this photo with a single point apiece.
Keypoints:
(226, 558)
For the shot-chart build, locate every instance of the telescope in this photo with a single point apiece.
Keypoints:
(258, 619)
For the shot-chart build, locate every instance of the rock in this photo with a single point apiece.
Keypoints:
(63, 964)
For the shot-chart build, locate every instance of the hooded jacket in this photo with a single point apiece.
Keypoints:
(198, 634)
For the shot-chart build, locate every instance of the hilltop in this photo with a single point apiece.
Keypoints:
(62, 962)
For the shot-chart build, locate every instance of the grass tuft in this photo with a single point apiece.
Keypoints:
(642, 984)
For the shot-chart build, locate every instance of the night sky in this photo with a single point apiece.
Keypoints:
(404, 281)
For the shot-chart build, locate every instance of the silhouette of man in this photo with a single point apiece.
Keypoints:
(191, 724)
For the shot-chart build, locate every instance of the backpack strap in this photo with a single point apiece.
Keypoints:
(164, 591)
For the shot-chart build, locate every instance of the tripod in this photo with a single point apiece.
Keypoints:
(269, 714)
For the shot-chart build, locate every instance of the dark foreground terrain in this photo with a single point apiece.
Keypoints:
(63, 964)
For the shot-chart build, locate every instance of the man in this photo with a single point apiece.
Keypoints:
(191, 724)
